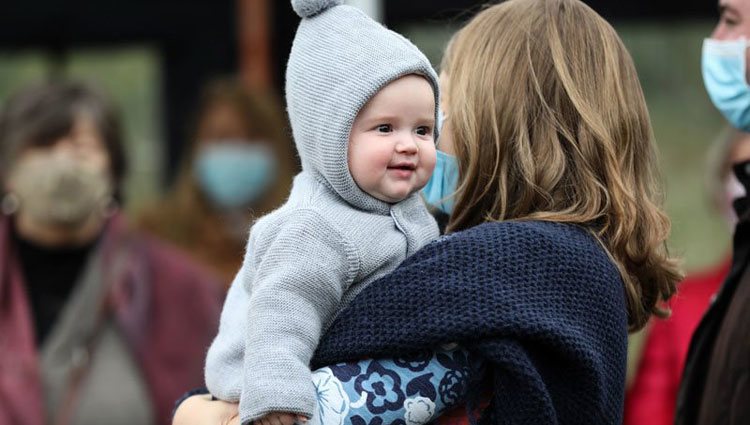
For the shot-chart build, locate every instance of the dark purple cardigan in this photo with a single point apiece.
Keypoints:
(167, 309)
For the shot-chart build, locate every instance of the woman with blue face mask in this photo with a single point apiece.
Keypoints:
(239, 166)
(714, 387)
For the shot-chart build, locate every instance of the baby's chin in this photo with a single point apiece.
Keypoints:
(393, 198)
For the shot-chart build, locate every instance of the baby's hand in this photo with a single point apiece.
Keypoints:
(280, 418)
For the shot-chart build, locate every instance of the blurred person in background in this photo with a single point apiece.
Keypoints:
(652, 397)
(98, 324)
(715, 386)
(239, 166)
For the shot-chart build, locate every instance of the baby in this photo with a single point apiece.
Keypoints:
(362, 104)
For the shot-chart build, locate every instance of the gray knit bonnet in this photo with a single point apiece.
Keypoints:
(340, 59)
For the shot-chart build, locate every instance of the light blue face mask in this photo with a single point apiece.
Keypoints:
(233, 174)
(723, 66)
(442, 185)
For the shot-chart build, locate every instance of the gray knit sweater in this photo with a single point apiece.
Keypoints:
(308, 259)
(304, 263)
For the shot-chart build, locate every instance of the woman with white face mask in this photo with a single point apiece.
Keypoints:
(81, 341)
(238, 166)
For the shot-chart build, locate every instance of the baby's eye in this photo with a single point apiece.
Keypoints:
(424, 130)
(384, 128)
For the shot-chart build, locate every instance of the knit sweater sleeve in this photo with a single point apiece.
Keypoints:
(299, 280)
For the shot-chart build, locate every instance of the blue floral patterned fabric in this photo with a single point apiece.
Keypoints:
(412, 390)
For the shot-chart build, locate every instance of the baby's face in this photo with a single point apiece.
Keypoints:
(392, 143)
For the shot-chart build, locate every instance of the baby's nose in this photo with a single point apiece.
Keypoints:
(407, 144)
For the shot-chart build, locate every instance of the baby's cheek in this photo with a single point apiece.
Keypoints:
(430, 159)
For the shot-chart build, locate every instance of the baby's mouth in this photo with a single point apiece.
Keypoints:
(405, 166)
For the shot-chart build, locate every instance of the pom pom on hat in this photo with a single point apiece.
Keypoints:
(308, 8)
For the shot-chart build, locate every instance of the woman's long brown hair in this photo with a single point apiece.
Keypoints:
(550, 123)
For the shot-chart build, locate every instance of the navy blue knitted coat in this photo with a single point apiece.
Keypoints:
(541, 303)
